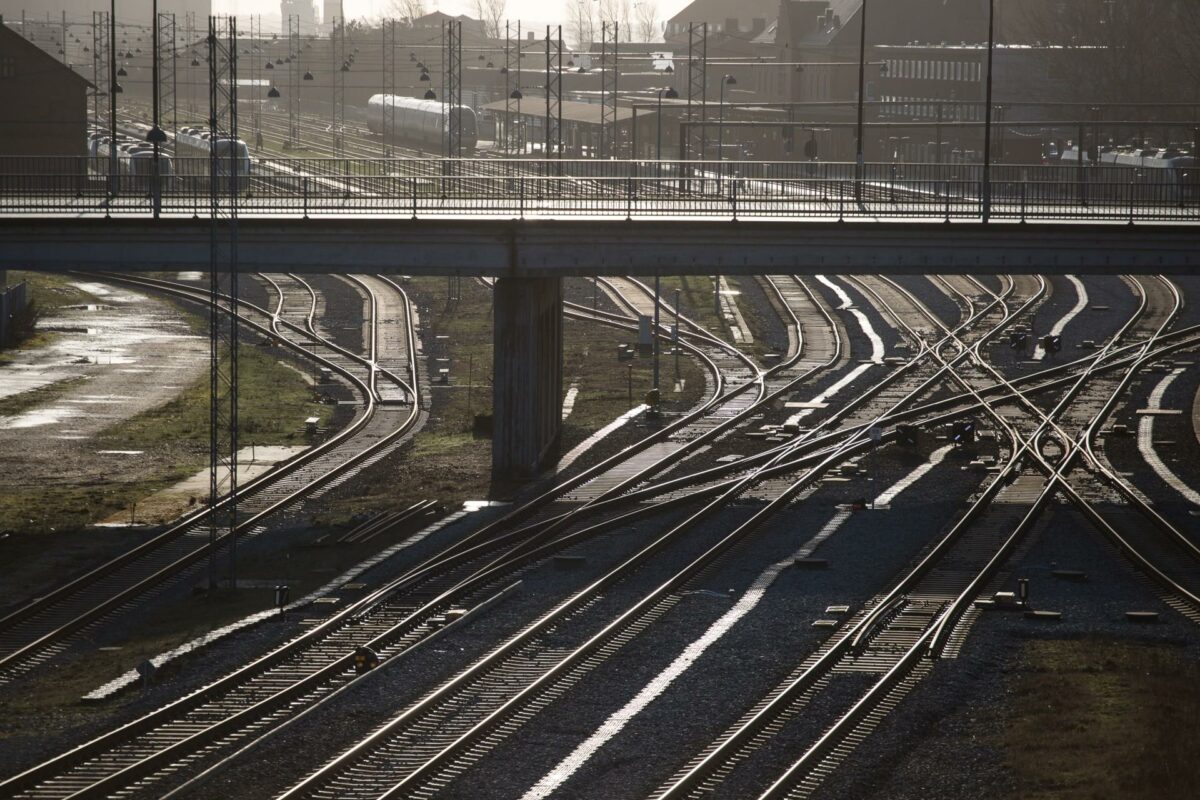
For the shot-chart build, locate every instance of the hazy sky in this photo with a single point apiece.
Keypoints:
(530, 11)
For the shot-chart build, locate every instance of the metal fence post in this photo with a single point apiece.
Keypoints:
(733, 184)
(628, 198)
(413, 184)
(947, 190)
(521, 189)
(1024, 187)
(305, 185)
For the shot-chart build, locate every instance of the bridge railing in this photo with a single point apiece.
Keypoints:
(628, 189)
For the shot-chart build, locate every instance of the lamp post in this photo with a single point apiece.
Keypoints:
(987, 118)
(862, 80)
(657, 302)
(727, 80)
(675, 337)
(156, 136)
(517, 95)
(670, 94)
(113, 89)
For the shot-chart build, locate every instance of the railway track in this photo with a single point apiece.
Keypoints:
(518, 678)
(117, 759)
(212, 725)
(920, 617)
(48, 625)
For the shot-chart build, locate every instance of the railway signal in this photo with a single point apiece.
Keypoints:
(963, 432)
(1051, 344)
(365, 660)
(1018, 340)
(906, 435)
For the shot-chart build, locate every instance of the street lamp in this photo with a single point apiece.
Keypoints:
(862, 80)
(727, 80)
(517, 95)
(670, 94)
(987, 119)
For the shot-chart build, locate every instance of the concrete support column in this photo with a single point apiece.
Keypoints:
(527, 369)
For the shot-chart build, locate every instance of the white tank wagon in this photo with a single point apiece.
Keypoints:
(135, 162)
(193, 149)
(422, 122)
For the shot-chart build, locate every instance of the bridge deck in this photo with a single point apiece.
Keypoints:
(584, 246)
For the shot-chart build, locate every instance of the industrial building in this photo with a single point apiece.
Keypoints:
(43, 103)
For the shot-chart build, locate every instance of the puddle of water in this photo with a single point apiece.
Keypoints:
(475, 505)
(37, 418)
(107, 292)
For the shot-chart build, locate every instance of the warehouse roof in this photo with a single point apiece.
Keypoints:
(587, 113)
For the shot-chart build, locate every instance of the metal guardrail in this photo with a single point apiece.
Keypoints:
(623, 189)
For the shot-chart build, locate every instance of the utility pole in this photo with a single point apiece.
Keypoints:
(862, 81)
(113, 89)
(987, 117)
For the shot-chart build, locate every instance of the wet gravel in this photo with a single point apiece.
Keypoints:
(956, 715)
(406, 678)
(757, 653)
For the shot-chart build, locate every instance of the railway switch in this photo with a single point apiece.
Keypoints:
(907, 435)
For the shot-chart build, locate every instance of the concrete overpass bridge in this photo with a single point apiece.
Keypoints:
(529, 224)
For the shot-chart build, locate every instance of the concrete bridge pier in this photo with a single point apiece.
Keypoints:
(527, 374)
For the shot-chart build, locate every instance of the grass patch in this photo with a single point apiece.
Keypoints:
(1103, 719)
(47, 509)
(695, 302)
(51, 290)
(18, 403)
(273, 403)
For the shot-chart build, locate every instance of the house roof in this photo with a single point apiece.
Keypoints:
(21, 48)
(719, 10)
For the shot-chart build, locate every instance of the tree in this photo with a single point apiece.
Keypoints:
(620, 12)
(581, 24)
(491, 14)
(408, 10)
(1113, 52)
(646, 20)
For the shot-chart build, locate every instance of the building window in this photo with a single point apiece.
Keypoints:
(8, 67)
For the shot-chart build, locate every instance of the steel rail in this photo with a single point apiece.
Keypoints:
(148, 722)
(565, 607)
(932, 639)
(281, 471)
